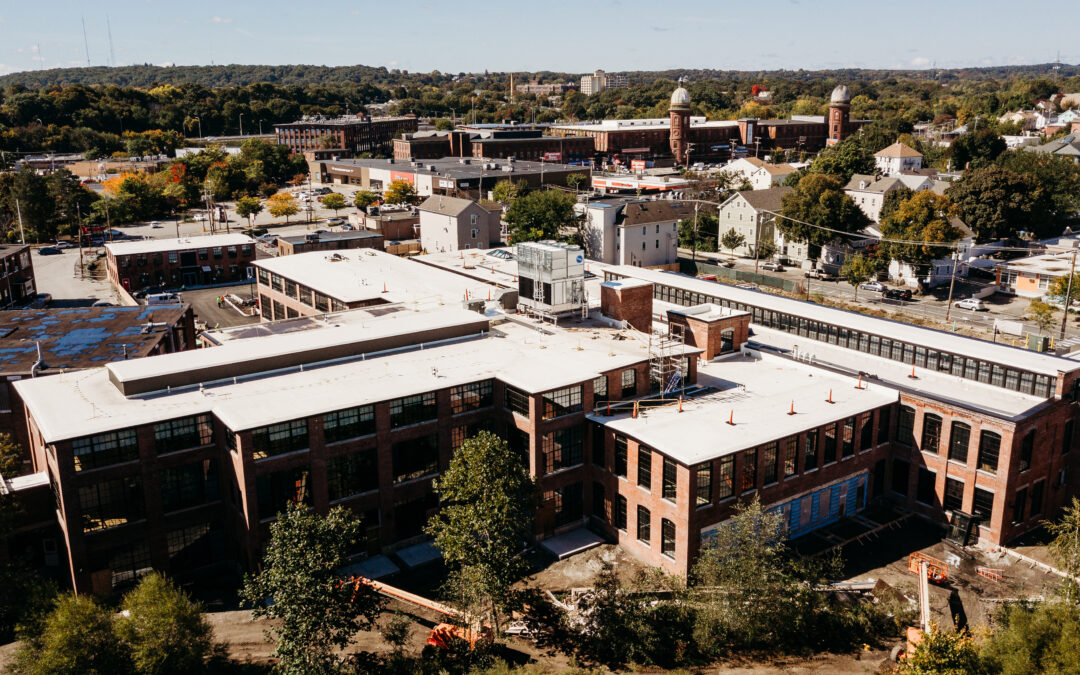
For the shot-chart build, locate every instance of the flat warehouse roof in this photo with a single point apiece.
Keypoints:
(358, 275)
(757, 393)
(173, 244)
(1014, 357)
(72, 405)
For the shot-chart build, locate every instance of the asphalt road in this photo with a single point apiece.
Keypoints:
(59, 276)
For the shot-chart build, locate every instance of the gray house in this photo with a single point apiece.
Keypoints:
(452, 224)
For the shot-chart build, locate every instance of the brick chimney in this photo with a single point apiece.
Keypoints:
(715, 329)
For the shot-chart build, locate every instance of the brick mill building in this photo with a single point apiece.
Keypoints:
(17, 282)
(172, 263)
(352, 133)
(180, 462)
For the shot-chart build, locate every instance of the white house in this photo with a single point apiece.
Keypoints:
(451, 224)
(868, 192)
(744, 168)
(637, 232)
(761, 175)
(969, 254)
(750, 213)
(897, 158)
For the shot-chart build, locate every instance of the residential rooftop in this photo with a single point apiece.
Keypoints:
(146, 246)
(344, 235)
(1053, 264)
(459, 168)
(757, 392)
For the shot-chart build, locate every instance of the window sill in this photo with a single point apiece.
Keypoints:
(342, 441)
(291, 453)
(170, 453)
(346, 498)
(426, 476)
(127, 462)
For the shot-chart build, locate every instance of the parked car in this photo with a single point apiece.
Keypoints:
(335, 221)
(322, 231)
(820, 275)
(63, 245)
(726, 263)
(897, 294)
(40, 301)
(199, 217)
(875, 286)
(156, 225)
(774, 266)
(974, 304)
(103, 303)
(149, 290)
(164, 299)
(346, 226)
(267, 239)
(50, 250)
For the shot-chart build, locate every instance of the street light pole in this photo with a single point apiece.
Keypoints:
(1068, 296)
(199, 120)
(241, 124)
(952, 283)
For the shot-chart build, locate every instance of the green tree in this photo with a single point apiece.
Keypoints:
(766, 249)
(843, 160)
(732, 240)
(941, 653)
(1042, 315)
(816, 209)
(334, 201)
(575, 180)
(858, 269)
(249, 207)
(1065, 547)
(282, 204)
(976, 149)
(506, 191)
(364, 199)
(997, 203)
(539, 215)
(1034, 638)
(923, 217)
(1055, 177)
(482, 528)
(399, 192)
(893, 199)
(164, 631)
(77, 638)
(315, 611)
(1060, 287)
(442, 124)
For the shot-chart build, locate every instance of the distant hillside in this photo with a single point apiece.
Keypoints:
(147, 76)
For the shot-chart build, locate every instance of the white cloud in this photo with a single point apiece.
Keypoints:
(5, 69)
(219, 19)
(919, 62)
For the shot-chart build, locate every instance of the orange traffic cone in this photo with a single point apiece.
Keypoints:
(731, 418)
(792, 411)
(912, 375)
(859, 385)
(829, 400)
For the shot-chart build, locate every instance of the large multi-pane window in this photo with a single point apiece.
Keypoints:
(516, 401)
(562, 449)
(982, 504)
(644, 524)
(905, 426)
(959, 439)
(194, 546)
(599, 451)
(114, 447)
(413, 409)
(924, 491)
(790, 455)
(703, 484)
(884, 415)
(569, 504)
(562, 402)
(1068, 436)
(620, 513)
(472, 396)
(749, 470)
(667, 537)
(277, 439)
(620, 456)
(415, 458)
(847, 438)
(726, 475)
(954, 494)
(1037, 498)
(352, 474)
(670, 489)
(866, 431)
(830, 443)
(931, 433)
(109, 503)
(1027, 448)
(599, 505)
(810, 451)
(189, 485)
(277, 490)
(629, 383)
(771, 460)
(127, 562)
(599, 389)
(900, 473)
(644, 467)
(342, 425)
(186, 432)
(989, 447)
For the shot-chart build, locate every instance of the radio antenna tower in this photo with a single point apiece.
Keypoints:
(108, 30)
(86, 43)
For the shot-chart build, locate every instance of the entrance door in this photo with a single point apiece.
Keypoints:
(190, 278)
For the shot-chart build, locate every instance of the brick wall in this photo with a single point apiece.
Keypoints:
(632, 304)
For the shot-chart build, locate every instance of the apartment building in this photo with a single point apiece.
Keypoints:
(188, 261)
(17, 282)
(751, 214)
(598, 81)
(450, 224)
(633, 231)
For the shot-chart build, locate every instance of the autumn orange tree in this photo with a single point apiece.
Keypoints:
(282, 204)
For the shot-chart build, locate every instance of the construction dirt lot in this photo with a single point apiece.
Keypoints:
(965, 595)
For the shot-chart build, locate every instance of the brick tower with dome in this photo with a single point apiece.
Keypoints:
(839, 115)
(680, 124)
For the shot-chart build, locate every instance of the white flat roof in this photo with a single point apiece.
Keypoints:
(173, 244)
(643, 124)
(1053, 264)
(362, 274)
(758, 394)
(76, 404)
(959, 391)
(1015, 357)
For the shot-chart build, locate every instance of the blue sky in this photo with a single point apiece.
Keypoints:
(571, 36)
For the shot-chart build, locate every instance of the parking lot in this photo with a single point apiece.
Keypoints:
(59, 275)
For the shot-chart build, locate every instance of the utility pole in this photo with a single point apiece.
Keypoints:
(757, 241)
(694, 253)
(241, 124)
(310, 196)
(952, 283)
(82, 269)
(22, 234)
(1068, 296)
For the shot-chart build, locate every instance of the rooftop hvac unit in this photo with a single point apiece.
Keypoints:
(551, 276)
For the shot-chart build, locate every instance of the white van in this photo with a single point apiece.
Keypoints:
(164, 299)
